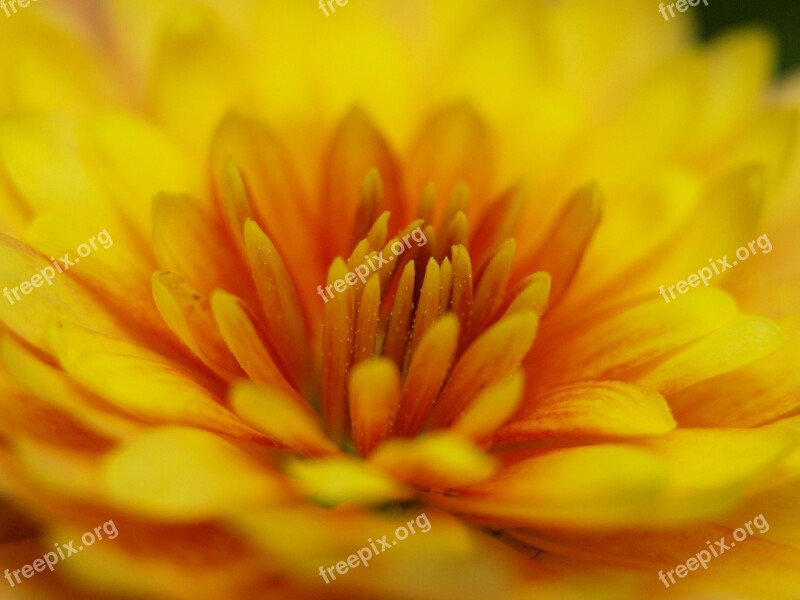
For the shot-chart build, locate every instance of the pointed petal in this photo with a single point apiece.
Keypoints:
(429, 366)
(356, 148)
(189, 316)
(561, 252)
(491, 289)
(394, 346)
(368, 320)
(284, 322)
(242, 335)
(489, 359)
(337, 346)
(492, 407)
(453, 147)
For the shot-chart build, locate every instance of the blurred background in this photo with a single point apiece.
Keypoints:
(782, 16)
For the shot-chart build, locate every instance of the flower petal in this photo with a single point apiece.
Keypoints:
(433, 460)
(490, 358)
(591, 409)
(181, 474)
(374, 400)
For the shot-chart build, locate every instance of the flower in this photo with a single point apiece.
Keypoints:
(517, 377)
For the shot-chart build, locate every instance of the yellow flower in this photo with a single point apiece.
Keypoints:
(299, 338)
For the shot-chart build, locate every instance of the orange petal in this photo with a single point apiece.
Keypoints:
(462, 291)
(189, 316)
(429, 366)
(592, 409)
(428, 305)
(490, 358)
(283, 320)
(337, 347)
(394, 346)
(356, 148)
(453, 147)
(240, 331)
(499, 224)
(278, 201)
(608, 345)
(561, 252)
(491, 288)
(368, 320)
(182, 229)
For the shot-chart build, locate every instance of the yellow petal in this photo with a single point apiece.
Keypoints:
(491, 408)
(180, 474)
(740, 342)
(198, 59)
(281, 417)
(751, 395)
(133, 160)
(333, 481)
(65, 300)
(143, 384)
(52, 385)
(433, 460)
(374, 400)
(606, 484)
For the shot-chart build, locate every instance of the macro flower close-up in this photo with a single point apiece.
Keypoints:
(412, 300)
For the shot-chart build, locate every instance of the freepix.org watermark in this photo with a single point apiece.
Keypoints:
(6, 4)
(366, 553)
(50, 559)
(681, 5)
(331, 6)
(62, 264)
(719, 547)
(720, 266)
(361, 271)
